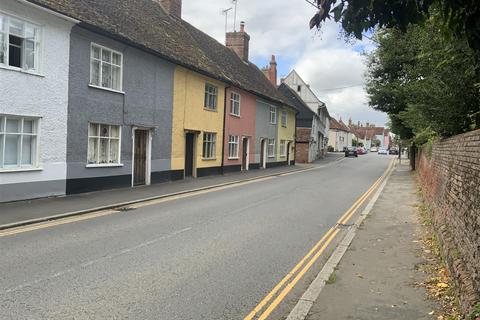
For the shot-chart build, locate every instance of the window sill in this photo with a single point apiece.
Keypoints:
(106, 89)
(211, 110)
(33, 73)
(113, 165)
(209, 159)
(273, 123)
(271, 156)
(234, 158)
(235, 115)
(20, 170)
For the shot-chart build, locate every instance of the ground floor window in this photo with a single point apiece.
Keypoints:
(18, 142)
(233, 142)
(283, 148)
(209, 141)
(103, 144)
(271, 148)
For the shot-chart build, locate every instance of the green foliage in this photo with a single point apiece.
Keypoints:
(461, 18)
(376, 143)
(475, 314)
(424, 81)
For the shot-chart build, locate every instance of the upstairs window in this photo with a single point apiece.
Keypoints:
(19, 43)
(211, 93)
(273, 115)
(106, 68)
(18, 142)
(284, 119)
(235, 104)
(209, 141)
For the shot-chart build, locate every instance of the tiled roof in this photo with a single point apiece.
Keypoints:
(144, 24)
(334, 124)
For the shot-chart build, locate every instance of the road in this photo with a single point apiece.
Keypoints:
(210, 256)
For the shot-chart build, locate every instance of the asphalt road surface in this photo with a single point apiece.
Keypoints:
(210, 256)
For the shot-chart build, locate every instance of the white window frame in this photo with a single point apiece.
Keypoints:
(210, 95)
(271, 148)
(100, 71)
(235, 98)
(99, 137)
(233, 146)
(284, 118)
(38, 41)
(209, 145)
(283, 148)
(273, 115)
(35, 165)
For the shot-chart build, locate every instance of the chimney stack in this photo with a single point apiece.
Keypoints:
(172, 7)
(271, 71)
(238, 42)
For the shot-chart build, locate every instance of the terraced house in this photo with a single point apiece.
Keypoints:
(139, 96)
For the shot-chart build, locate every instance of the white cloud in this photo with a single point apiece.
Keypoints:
(281, 27)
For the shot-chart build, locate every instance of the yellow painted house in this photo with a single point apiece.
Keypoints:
(197, 128)
(286, 135)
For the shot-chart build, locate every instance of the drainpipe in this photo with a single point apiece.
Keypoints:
(224, 117)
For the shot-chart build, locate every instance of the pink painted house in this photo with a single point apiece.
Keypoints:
(239, 144)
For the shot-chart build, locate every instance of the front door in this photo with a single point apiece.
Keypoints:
(189, 153)
(245, 154)
(262, 153)
(140, 157)
(288, 153)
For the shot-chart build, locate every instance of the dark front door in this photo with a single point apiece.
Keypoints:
(189, 148)
(140, 161)
(262, 153)
(288, 154)
(245, 154)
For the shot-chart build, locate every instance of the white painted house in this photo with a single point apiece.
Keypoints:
(34, 64)
(320, 126)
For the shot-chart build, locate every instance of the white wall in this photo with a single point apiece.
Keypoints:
(44, 95)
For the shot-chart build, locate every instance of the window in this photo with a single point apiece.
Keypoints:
(284, 119)
(105, 68)
(271, 148)
(18, 142)
(233, 147)
(299, 88)
(103, 144)
(283, 149)
(235, 104)
(19, 43)
(210, 97)
(273, 115)
(209, 140)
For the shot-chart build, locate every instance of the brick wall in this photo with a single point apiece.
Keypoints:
(450, 179)
(302, 144)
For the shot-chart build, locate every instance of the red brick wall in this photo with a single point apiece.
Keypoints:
(450, 179)
(301, 152)
(303, 134)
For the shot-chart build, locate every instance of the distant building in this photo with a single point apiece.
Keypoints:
(340, 136)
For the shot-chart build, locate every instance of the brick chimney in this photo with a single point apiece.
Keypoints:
(238, 42)
(271, 71)
(172, 7)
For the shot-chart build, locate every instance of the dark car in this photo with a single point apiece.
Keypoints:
(351, 151)
(393, 151)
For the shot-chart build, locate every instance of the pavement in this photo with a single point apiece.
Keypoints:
(210, 255)
(376, 277)
(14, 213)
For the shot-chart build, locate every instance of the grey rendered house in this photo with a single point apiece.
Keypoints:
(119, 114)
(266, 134)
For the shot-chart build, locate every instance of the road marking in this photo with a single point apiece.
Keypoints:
(96, 261)
(327, 238)
(88, 216)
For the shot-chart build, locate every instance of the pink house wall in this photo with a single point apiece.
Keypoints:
(243, 126)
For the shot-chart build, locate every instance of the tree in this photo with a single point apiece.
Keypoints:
(423, 80)
(460, 17)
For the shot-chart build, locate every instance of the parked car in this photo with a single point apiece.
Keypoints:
(351, 151)
(382, 151)
(373, 149)
(393, 151)
(360, 150)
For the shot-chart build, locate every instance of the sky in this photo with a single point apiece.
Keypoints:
(333, 68)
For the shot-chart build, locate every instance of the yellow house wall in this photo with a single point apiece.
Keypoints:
(286, 133)
(189, 114)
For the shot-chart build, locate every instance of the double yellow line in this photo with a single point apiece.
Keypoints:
(310, 258)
